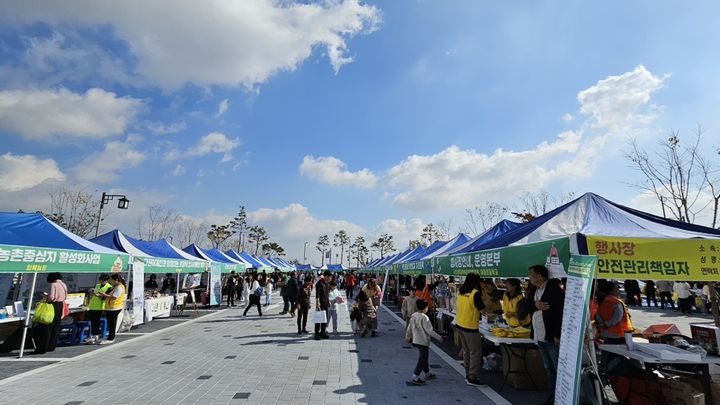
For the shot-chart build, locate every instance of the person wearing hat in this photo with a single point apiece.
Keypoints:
(96, 307)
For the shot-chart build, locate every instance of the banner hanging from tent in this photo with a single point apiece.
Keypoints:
(512, 261)
(656, 259)
(160, 265)
(414, 268)
(27, 259)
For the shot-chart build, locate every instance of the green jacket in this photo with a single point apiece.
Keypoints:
(97, 303)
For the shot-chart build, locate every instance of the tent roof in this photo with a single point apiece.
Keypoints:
(220, 256)
(412, 255)
(303, 267)
(334, 267)
(500, 228)
(158, 248)
(453, 243)
(236, 256)
(195, 250)
(592, 214)
(20, 229)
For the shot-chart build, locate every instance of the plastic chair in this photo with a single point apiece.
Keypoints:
(103, 328)
(84, 330)
(67, 334)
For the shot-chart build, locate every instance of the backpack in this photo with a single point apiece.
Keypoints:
(259, 291)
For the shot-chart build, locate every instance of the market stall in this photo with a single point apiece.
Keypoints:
(32, 244)
(155, 257)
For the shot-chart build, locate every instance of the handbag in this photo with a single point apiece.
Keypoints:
(65, 310)
(44, 313)
(320, 316)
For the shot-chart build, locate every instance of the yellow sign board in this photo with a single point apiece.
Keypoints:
(656, 259)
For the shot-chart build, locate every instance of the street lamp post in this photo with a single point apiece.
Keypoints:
(123, 204)
(304, 255)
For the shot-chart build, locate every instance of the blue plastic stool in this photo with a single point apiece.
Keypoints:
(67, 334)
(103, 328)
(84, 330)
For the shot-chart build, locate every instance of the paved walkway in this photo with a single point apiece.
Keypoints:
(225, 358)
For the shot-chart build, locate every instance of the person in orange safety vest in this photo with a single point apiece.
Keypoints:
(612, 316)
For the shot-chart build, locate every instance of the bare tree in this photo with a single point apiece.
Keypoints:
(480, 218)
(712, 179)
(430, 233)
(75, 209)
(158, 224)
(674, 175)
(188, 231)
(445, 229)
(533, 205)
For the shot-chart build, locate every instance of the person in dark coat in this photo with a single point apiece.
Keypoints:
(292, 287)
(303, 305)
(322, 303)
(545, 302)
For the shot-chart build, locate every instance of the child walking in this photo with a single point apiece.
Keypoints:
(418, 333)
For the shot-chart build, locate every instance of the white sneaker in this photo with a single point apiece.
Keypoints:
(91, 340)
(106, 342)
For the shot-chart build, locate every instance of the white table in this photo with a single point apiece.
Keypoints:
(12, 319)
(159, 307)
(512, 348)
(651, 362)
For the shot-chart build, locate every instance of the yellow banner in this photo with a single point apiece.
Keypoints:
(656, 259)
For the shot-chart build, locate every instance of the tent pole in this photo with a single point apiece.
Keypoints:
(27, 317)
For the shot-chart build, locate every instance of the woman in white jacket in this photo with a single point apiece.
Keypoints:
(418, 333)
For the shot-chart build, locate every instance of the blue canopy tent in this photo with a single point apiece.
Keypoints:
(305, 267)
(236, 256)
(255, 262)
(279, 264)
(334, 267)
(267, 263)
(227, 264)
(158, 256)
(494, 232)
(594, 225)
(30, 243)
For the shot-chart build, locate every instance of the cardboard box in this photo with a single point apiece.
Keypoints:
(535, 372)
(677, 392)
(707, 336)
(660, 329)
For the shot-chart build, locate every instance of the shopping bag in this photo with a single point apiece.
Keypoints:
(66, 310)
(44, 313)
(319, 317)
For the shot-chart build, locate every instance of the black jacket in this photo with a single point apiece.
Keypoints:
(552, 318)
(321, 294)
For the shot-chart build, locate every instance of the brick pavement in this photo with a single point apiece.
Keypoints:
(225, 358)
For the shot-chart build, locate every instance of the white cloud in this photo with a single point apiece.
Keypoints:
(293, 225)
(460, 178)
(567, 117)
(106, 165)
(214, 142)
(330, 170)
(215, 43)
(179, 170)
(222, 107)
(41, 114)
(162, 129)
(611, 109)
(20, 172)
(619, 101)
(402, 230)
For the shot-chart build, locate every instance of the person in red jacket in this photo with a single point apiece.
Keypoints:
(349, 285)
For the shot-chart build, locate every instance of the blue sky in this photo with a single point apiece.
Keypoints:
(374, 116)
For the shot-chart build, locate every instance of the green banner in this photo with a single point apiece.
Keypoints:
(28, 259)
(512, 261)
(414, 268)
(228, 267)
(159, 265)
